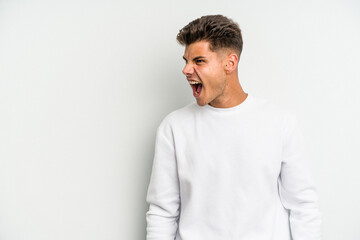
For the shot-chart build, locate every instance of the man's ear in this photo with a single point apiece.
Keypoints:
(231, 62)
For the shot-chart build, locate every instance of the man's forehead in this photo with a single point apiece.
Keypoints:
(200, 48)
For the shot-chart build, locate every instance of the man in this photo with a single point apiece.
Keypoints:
(230, 166)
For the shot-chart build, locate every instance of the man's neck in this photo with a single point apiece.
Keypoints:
(233, 96)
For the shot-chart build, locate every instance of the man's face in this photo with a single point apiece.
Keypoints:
(205, 71)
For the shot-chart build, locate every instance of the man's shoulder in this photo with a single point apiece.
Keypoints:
(258, 107)
(179, 115)
(271, 108)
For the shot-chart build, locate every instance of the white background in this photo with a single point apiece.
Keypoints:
(84, 85)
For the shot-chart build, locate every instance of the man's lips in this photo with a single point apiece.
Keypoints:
(196, 86)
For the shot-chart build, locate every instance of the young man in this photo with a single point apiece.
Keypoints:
(230, 166)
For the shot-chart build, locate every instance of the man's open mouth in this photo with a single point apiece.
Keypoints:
(196, 87)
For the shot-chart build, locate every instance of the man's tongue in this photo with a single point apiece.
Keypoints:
(197, 90)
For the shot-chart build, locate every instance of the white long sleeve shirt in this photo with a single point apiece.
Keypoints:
(238, 173)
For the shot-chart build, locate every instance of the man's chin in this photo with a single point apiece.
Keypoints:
(201, 103)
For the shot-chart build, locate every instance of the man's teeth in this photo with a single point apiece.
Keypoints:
(193, 82)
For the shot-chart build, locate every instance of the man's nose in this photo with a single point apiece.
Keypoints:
(188, 69)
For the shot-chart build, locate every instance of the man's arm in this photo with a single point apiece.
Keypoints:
(296, 187)
(163, 193)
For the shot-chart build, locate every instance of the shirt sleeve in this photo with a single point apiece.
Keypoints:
(296, 187)
(163, 192)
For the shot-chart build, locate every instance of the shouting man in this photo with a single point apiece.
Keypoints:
(231, 166)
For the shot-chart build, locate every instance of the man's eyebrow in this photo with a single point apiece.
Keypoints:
(195, 58)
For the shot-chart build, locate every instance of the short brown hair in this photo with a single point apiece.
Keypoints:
(218, 30)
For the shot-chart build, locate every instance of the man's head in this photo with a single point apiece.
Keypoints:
(213, 45)
(221, 32)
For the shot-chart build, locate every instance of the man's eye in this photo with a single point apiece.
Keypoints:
(199, 61)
